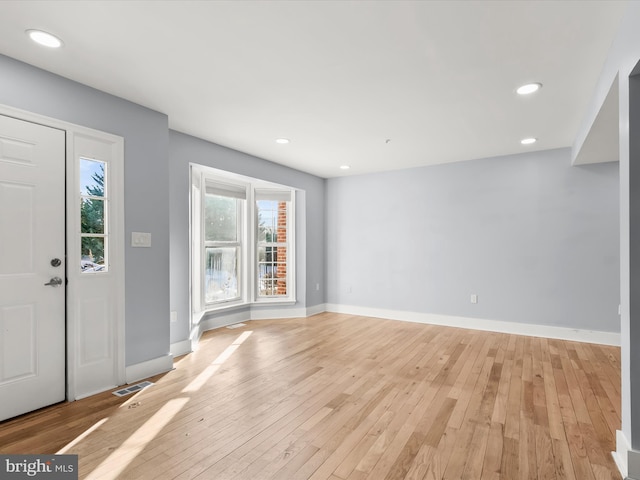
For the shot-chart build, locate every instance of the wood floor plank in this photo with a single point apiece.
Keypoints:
(509, 465)
(527, 456)
(562, 460)
(492, 466)
(545, 461)
(514, 401)
(553, 404)
(343, 397)
(456, 465)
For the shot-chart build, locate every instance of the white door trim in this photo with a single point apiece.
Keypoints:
(117, 248)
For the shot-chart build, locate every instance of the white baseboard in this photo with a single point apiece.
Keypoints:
(627, 460)
(149, 368)
(547, 331)
(89, 394)
(621, 454)
(316, 309)
(258, 313)
(223, 320)
(532, 330)
(231, 318)
(180, 348)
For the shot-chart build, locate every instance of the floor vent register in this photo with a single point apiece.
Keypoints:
(132, 389)
(237, 325)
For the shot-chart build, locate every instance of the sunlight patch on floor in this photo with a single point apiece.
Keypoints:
(113, 466)
(117, 462)
(82, 436)
(206, 374)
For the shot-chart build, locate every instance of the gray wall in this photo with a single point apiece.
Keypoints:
(146, 192)
(533, 237)
(184, 149)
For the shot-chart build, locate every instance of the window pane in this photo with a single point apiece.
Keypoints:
(267, 220)
(91, 215)
(272, 287)
(220, 218)
(92, 177)
(221, 274)
(92, 254)
(272, 258)
(272, 274)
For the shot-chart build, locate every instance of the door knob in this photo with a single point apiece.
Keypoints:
(54, 282)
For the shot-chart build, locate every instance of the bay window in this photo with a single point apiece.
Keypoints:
(242, 233)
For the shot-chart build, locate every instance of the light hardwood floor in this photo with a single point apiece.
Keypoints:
(346, 398)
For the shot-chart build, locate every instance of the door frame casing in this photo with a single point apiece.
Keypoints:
(117, 243)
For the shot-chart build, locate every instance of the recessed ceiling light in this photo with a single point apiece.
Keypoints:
(344, 167)
(528, 141)
(282, 141)
(44, 38)
(528, 88)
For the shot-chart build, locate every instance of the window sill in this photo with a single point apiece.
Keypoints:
(270, 301)
(258, 303)
(226, 306)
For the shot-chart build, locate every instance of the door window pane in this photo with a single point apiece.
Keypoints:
(93, 216)
(92, 251)
(92, 178)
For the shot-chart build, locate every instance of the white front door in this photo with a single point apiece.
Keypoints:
(32, 266)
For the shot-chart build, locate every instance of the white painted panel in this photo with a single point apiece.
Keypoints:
(96, 311)
(32, 233)
(16, 151)
(18, 330)
(16, 228)
(95, 331)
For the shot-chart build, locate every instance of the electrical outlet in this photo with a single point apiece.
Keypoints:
(317, 287)
(474, 298)
(174, 317)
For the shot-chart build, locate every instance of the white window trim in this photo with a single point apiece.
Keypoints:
(290, 298)
(106, 198)
(248, 274)
(242, 235)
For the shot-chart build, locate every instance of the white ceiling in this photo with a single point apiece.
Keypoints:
(338, 78)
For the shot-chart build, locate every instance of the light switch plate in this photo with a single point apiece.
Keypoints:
(140, 239)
